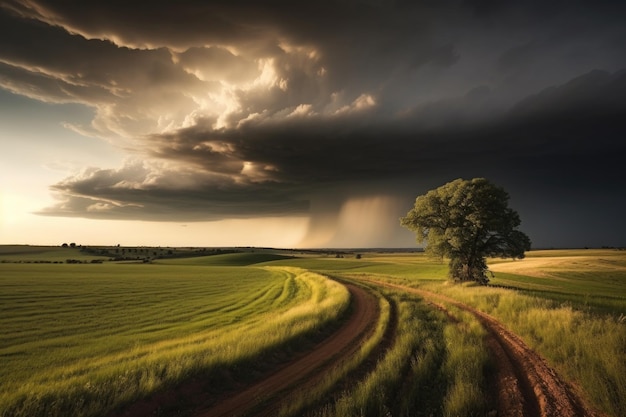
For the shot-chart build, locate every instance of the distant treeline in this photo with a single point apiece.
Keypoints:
(47, 261)
(119, 254)
(147, 254)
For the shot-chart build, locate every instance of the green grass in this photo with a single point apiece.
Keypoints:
(230, 259)
(465, 366)
(83, 339)
(434, 367)
(587, 349)
(414, 267)
(587, 279)
(570, 307)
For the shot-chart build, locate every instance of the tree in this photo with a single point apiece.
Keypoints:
(467, 221)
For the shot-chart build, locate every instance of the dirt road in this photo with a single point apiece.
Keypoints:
(526, 384)
(261, 397)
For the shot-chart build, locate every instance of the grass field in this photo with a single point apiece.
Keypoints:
(568, 305)
(434, 367)
(593, 279)
(83, 339)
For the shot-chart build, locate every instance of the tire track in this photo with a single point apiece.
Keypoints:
(527, 386)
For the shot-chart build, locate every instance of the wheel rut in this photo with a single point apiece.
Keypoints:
(526, 385)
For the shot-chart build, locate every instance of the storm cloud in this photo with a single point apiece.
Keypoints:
(237, 109)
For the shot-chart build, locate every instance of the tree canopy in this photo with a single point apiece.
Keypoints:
(467, 221)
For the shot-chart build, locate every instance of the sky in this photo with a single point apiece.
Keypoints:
(306, 124)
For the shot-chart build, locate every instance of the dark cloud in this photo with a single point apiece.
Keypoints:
(132, 90)
(242, 109)
(135, 25)
(158, 192)
(567, 139)
(518, 57)
(403, 53)
(53, 52)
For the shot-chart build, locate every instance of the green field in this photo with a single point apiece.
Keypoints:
(85, 339)
(568, 305)
(593, 279)
(80, 339)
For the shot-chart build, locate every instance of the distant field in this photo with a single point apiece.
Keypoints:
(24, 253)
(86, 254)
(585, 278)
(229, 259)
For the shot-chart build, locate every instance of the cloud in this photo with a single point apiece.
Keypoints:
(132, 91)
(138, 89)
(273, 167)
(162, 192)
(159, 69)
(217, 64)
(243, 110)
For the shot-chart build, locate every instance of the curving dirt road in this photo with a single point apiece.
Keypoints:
(262, 397)
(526, 384)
